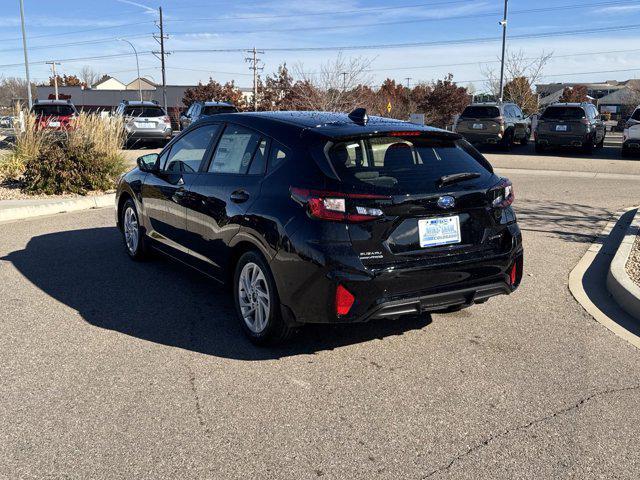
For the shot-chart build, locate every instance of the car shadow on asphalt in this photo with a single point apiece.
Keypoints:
(162, 301)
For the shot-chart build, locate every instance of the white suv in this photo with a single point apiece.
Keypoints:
(631, 135)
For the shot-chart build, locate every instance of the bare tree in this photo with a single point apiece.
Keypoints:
(334, 87)
(521, 75)
(12, 90)
(89, 76)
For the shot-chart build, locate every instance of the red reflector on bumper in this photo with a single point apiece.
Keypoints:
(512, 274)
(344, 300)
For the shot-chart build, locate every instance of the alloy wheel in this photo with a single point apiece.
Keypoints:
(253, 297)
(131, 230)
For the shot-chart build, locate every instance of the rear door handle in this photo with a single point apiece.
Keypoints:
(239, 196)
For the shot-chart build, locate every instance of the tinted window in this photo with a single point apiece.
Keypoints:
(403, 165)
(636, 115)
(516, 111)
(212, 110)
(235, 150)
(279, 153)
(47, 110)
(481, 112)
(132, 111)
(188, 152)
(563, 113)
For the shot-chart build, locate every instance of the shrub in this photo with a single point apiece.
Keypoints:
(27, 145)
(85, 158)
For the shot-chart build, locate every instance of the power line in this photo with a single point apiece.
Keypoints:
(415, 20)
(318, 14)
(81, 42)
(60, 34)
(586, 31)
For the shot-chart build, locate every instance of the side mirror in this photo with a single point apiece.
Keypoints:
(148, 163)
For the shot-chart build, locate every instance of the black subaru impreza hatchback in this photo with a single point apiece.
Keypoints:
(326, 217)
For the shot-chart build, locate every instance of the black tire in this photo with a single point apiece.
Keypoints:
(525, 139)
(276, 329)
(600, 144)
(587, 147)
(625, 152)
(141, 250)
(540, 148)
(507, 142)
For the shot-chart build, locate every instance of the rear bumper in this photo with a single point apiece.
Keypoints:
(632, 144)
(151, 134)
(396, 290)
(561, 140)
(482, 138)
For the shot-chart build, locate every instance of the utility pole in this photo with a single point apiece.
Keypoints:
(504, 46)
(55, 76)
(408, 79)
(26, 58)
(161, 54)
(255, 66)
(344, 80)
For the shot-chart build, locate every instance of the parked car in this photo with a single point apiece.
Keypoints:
(145, 122)
(6, 122)
(631, 135)
(494, 124)
(326, 217)
(54, 114)
(199, 110)
(570, 125)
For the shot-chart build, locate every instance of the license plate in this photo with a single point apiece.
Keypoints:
(145, 124)
(439, 231)
(54, 124)
(561, 128)
(478, 126)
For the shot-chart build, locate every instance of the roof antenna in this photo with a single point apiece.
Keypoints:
(359, 116)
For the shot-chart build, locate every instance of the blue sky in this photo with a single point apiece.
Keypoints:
(75, 29)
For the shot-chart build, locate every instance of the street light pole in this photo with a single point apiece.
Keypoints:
(26, 58)
(137, 66)
(504, 46)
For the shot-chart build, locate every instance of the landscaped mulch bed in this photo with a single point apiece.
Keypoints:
(11, 190)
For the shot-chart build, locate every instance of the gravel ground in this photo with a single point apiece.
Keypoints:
(633, 265)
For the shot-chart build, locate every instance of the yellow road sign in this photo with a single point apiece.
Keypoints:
(389, 107)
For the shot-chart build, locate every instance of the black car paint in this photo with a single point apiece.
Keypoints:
(309, 258)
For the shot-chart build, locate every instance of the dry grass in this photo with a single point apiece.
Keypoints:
(84, 158)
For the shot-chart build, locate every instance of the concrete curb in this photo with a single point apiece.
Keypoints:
(58, 206)
(620, 286)
(590, 274)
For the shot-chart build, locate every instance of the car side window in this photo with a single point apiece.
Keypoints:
(196, 110)
(259, 159)
(187, 153)
(277, 156)
(518, 112)
(507, 111)
(235, 150)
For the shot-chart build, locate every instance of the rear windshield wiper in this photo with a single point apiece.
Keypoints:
(457, 177)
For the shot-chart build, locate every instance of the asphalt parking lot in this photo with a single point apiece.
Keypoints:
(115, 369)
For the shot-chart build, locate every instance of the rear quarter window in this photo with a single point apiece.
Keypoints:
(636, 114)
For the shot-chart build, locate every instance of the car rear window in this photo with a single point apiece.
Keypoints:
(481, 112)
(49, 110)
(563, 113)
(213, 110)
(144, 112)
(399, 165)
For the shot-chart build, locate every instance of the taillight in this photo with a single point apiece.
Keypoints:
(502, 194)
(166, 119)
(344, 300)
(338, 206)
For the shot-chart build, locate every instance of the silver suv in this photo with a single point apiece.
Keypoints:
(145, 122)
(494, 123)
(631, 135)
